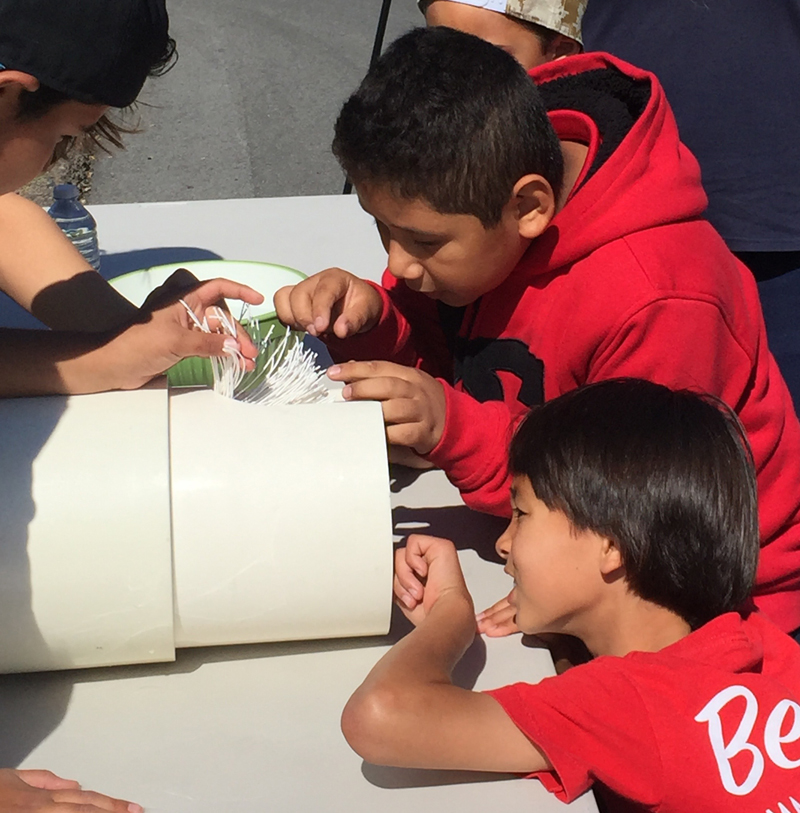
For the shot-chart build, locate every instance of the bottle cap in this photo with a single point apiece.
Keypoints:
(65, 191)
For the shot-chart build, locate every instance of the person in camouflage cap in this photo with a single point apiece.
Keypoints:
(533, 31)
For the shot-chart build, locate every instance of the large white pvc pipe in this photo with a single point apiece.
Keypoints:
(281, 520)
(278, 526)
(85, 565)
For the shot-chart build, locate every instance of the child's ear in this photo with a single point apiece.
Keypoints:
(23, 80)
(12, 85)
(562, 46)
(610, 557)
(535, 205)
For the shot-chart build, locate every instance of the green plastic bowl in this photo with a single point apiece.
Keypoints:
(266, 278)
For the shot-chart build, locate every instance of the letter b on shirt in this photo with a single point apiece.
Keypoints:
(739, 743)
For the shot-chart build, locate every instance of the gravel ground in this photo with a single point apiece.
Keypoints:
(77, 168)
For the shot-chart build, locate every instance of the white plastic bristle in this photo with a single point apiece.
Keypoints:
(286, 371)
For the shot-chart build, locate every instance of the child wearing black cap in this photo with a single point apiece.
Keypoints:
(62, 66)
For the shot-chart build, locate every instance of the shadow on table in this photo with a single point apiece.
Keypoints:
(392, 778)
(123, 262)
(469, 530)
(31, 706)
(13, 315)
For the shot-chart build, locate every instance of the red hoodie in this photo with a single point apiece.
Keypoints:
(628, 280)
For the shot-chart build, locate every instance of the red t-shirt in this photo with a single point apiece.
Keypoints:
(711, 723)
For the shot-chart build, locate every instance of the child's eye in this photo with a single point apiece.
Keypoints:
(516, 513)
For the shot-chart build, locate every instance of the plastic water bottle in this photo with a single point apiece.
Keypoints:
(76, 222)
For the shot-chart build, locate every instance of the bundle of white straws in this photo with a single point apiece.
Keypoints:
(285, 371)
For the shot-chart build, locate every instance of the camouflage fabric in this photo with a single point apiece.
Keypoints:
(563, 16)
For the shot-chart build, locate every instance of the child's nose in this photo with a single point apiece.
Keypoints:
(503, 544)
(402, 264)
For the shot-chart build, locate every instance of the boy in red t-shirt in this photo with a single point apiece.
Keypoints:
(634, 528)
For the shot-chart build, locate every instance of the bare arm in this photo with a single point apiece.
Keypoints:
(44, 272)
(37, 362)
(407, 712)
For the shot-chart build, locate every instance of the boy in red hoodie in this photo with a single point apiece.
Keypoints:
(635, 528)
(530, 256)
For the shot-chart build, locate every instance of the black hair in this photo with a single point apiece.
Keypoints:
(451, 119)
(668, 475)
(37, 103)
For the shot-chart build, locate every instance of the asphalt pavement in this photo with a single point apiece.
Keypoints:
(248, 110)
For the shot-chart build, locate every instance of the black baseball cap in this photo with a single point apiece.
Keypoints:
(94, 51)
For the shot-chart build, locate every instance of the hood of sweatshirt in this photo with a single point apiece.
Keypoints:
(637, 175)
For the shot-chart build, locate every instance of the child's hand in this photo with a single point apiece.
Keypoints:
(413, 402)
(426, 570)
(165, 335)
(331, 301)
(32, 791)
(498, 620)
(183, 284)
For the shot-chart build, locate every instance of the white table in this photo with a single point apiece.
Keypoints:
(257, 727)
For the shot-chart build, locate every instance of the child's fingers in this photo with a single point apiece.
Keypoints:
(246, 344)
(412, 435)
(283, 305)
(410, 571)
(45, 780)
(88, 800)
(498, 620)
(220, 320)
(398, 411)
(360, 309)
(363, 370)
(408, 589)
(409, 581)
(213, 291)
(294, 304)
(301, 307)
(498, 628)
(330, 289)
(415, 555)
(405, 598)
(383, 388)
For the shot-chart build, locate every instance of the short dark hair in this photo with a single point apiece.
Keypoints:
(37, 103)
(451, 119)
(668, 475)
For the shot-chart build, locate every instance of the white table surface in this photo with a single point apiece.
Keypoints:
(306, 233)
(257, 727)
